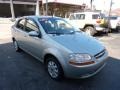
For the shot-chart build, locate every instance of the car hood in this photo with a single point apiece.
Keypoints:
(79, 43)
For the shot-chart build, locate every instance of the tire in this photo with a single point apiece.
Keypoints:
(89, 30)
(118, 29)
(54, 68)
(16, 46)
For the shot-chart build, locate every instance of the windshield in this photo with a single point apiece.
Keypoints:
(56, 26)
(98, 16)
(113, 18)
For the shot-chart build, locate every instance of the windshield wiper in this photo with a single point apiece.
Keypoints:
(60, 32)
(55, 33)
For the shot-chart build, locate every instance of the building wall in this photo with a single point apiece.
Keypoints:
(20, 9)
(5, 10)
(26, 7)
(24, 10)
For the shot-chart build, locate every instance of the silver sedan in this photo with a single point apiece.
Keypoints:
(64, 50)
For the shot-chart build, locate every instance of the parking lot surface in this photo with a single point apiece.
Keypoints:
(20, 71)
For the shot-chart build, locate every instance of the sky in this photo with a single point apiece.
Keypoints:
(105, 4)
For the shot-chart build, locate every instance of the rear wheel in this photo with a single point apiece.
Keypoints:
(89, 30)
(17, 49)
(54, 68)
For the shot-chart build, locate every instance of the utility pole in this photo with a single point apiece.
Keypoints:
(37, 12)
(91, 4)
(46, 7)
(12, 10)
(109, 14)
(110, 7)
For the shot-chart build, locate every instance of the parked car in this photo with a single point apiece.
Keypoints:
(91, 22)
(63, 50)
(118, 26)
(113, 22)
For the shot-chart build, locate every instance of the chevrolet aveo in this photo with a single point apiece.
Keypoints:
(64, 50)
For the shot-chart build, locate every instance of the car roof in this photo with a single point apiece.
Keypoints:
(87, 12)
(36, 17)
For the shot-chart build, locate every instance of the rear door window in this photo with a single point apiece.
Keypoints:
(95, 16)
(31, 26)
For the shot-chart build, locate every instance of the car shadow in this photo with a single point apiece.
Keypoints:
(20, 71)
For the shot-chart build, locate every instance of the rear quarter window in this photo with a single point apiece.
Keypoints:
(20, 24)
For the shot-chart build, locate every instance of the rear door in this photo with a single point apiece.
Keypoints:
(78, 20)
(19, 32)
(96, 19)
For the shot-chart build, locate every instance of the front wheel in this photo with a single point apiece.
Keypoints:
(54, 68)
(89, 30)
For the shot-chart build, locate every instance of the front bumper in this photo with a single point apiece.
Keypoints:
(98, 28)
(118, 27)
(87, 70)
(101, 29)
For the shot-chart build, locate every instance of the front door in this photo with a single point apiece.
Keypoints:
(33, 44)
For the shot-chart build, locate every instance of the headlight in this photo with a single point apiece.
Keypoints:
(80, 59)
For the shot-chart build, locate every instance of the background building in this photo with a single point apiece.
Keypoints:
(64, 7)
(27, 7)
(21, 7)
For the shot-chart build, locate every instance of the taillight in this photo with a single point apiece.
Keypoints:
(118, 24)
(98, 21)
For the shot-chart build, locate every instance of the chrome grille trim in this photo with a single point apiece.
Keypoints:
(100, 54)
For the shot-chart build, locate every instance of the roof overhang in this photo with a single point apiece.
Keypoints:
(70, 2)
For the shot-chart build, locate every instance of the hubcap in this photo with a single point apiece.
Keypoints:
(88, 31)
(52, 69)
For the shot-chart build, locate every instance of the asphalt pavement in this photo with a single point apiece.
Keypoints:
(20, 71)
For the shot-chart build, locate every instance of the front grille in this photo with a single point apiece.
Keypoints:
(100, 54)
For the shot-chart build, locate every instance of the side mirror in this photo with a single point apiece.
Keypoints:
(33, 33)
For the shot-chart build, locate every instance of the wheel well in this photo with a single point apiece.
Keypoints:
(48, 56)
(88, 25)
